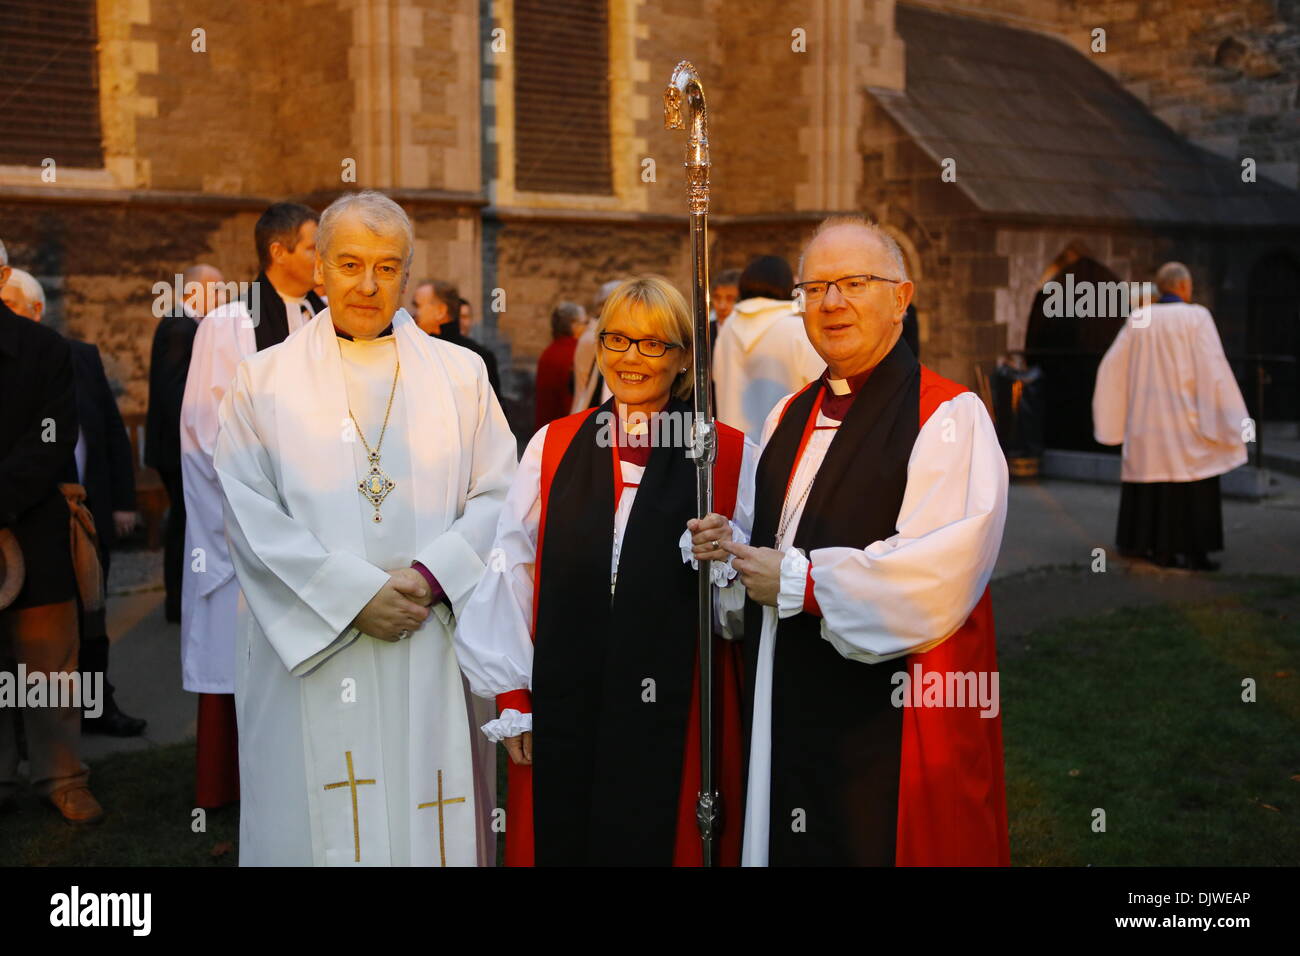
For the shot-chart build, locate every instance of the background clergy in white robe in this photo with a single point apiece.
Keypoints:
(285, 236)
(879, 508)
(355, 724)
(1166, 392)
(762, 353)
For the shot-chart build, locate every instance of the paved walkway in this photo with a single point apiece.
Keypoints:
(1044, 573)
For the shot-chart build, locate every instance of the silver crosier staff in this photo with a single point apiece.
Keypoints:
(685, 96)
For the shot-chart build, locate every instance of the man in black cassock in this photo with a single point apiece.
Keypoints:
(169, 363)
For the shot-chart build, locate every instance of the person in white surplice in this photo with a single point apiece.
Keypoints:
(1166, 392)
(279, 302)
(364, 464)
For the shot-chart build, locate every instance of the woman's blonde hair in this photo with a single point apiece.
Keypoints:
(666, 313)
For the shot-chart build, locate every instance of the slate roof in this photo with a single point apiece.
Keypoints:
(1038, 130)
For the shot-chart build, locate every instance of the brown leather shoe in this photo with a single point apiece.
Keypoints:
(78, 806)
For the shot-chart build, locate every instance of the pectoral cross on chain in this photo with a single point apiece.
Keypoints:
(352, 783)
(440, 803)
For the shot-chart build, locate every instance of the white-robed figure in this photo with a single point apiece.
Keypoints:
(1166, 392)
(364, 464)
(280, 301)
(762, 353)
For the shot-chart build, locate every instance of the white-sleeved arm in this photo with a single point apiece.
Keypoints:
(730, 604)
(911, 591)
(729, 598)
(303, 596)
(742, 519)
(1110, 395)
(456, 556)
(1220, 409)
(494, 642)
(216, 356)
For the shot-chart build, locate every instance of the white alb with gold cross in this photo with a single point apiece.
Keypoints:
(353, 751)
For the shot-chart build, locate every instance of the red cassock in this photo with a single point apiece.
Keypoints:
(567, 453)
(951, 795)
(216, 762)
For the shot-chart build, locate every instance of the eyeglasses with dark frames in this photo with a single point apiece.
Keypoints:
(650, 348)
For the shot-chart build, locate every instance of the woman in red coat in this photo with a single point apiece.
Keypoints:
(555, 367)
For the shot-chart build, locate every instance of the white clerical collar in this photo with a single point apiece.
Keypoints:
(839, 386)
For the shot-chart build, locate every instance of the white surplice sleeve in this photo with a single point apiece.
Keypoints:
(493, 639)
(729, 604)
(303, 596)
(1220, 409)
(909, 592)
(216, 357)
(721, 573)
(1110, 396)
(456, 557)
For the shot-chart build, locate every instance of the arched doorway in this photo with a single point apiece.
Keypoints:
(1069, 347)
(1273, 329)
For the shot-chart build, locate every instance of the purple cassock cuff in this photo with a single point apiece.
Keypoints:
(438, 593)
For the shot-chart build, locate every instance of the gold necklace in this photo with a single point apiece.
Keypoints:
(376, 486)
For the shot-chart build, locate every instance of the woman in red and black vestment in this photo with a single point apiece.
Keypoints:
(584, 625)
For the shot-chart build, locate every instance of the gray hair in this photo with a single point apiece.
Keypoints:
(562, 318)
(27, 282)
(605, 291)
(378, 213)
(195, 272)
(4, 256)
(1170, 275)
(888, 242)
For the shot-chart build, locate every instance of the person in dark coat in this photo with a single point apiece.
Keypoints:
(169, 363)
(104, 468)
(435, 306)
(107, 473)
(38, 433)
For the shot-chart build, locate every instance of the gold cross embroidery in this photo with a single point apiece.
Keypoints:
(440, 803)
(352, 783)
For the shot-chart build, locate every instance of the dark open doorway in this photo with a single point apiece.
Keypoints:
(1068, 348)
(1273, 337)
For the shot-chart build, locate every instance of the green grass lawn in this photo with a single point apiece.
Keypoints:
(1140, 713)
(1136, 712)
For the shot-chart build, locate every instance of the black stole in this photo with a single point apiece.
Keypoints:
(607, 764)
(836, 738)
(272, 319)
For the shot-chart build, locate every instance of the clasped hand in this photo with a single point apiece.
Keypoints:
(760, 568)
(400, 606)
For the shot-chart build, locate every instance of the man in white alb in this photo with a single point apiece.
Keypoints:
(364, 464)
(280, 301)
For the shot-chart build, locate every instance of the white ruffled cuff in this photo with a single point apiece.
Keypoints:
(511, 723)
(794, 581)
(720, 572)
